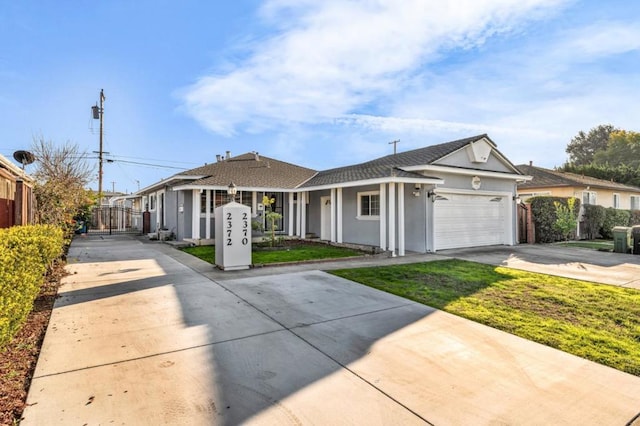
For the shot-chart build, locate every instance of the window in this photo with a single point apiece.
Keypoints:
(588, 197)
(152, 202)
(616, 201)
(635, 202)
(368, 205)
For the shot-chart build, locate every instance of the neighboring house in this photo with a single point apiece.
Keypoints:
(16, 195)
(456, 194)
(587, 189)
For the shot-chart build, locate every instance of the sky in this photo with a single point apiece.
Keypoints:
(321, 84)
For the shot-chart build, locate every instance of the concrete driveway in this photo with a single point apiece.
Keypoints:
(579, 263)
(139, 337)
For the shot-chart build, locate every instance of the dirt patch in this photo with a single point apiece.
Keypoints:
(18, 359)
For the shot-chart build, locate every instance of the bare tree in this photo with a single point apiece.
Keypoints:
(62, 173)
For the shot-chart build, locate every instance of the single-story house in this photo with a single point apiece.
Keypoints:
(588, 190)
(16, 195)
(456, 194)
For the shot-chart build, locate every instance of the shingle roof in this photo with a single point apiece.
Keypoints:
(251, 171)
(383, 166)
(546, 178)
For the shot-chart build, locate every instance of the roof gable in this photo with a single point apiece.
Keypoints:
(408, 164)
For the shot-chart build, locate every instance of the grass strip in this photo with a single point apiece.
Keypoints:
(296, 253)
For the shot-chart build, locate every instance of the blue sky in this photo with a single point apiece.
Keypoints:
(320, 84)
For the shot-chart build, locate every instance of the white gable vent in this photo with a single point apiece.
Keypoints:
(479, 151)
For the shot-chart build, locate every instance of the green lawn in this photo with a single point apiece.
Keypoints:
(597, 322)
(590, 244)
(295, 253)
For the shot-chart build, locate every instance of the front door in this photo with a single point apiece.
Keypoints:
(325, 218)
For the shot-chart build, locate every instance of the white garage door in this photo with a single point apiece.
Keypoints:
(469, 220)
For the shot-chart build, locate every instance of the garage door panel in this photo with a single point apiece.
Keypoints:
(469, 221)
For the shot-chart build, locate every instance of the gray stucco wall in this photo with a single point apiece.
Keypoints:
(415, 219)
(354, 230)
(171, 208)
(487, 183)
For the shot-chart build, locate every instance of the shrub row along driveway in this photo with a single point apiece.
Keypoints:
(139, 337)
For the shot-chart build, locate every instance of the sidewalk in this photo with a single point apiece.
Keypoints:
(146, 334)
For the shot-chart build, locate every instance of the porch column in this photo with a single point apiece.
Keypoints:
(392, 219)
(254, 203)
(303, 215)
(401, 219)
(299, 215)
(291, 214)
(195, 214)
(207, 216)
(383, 216)
(333, 215)
(339, 213)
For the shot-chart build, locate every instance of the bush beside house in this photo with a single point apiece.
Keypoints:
(26, 252)
(544, 213)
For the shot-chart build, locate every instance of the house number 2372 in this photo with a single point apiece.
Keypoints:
(244, 229)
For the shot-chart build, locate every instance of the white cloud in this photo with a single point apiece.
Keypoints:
(333, 58)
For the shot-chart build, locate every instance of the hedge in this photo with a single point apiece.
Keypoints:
(25, 254)
(543, 211)
(593, 219)
(613, 217)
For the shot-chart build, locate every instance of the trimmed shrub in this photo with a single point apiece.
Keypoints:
(634, 217)
(593, 218)
(544, 215)
(25, 254)
(614, 217)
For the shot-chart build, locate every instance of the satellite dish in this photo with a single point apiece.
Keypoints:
(24, 157)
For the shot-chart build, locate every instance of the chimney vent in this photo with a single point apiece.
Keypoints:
(228, 155)
(218, 158)
(530, 163)
(256, 155)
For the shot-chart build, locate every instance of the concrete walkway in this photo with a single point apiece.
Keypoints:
(145, 334)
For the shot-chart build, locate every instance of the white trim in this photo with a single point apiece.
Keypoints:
(339, 210)
(471, 192)
(359, 215)
(394, 179)
(332, 232)
(299, 215)
(616, 195)
(467, 172)
(195, 214)
(637, 198)
(254, 203)
(392, 219)
(207, 214)
(401, 219)
(291, 214)
(383, 216)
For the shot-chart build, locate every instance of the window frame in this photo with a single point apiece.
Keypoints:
(635, 198)
(589, 198)
(360, 196)
(616, 200)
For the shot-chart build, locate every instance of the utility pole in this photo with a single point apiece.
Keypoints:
(113, 187)
(98, 113)
(395, 143)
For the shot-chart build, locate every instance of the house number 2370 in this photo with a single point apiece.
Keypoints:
(244, 229)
